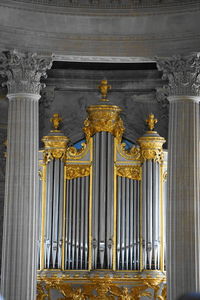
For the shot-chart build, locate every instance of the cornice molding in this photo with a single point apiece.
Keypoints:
(130, 48)
(128, 7)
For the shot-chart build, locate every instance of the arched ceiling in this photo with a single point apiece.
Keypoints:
(101, 30)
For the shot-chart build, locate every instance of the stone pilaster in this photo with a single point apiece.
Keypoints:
(183, 207)
(23, 71)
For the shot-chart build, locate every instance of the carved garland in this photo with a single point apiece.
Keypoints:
(104, 289)
(131, 172)
(75, 171)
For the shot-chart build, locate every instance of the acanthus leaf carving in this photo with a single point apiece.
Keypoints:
(105, 288)
(23, 71)
(182, 73)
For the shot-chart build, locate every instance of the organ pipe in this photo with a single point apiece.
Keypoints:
(103, 200)
(102, 207)
(152, 157)
(128, 254)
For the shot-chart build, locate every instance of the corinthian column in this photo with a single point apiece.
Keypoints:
(183, 207)
(23, 71)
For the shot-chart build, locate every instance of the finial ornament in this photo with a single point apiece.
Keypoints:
(104, 88)
(151, 143)
(151, 122)
(55, 144)
(56, 120)
(103, 117)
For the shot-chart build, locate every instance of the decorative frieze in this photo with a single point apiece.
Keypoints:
(105, 288)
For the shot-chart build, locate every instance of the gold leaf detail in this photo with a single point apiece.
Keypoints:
(56, 121)
(131, 172)
(75, 171)
(73, 153)
(103, 118)
(165, 176)
(151, 122)
(156, 155)
(104, 88)
(163, 295)
(131, 154)
(104, 288)
(41, 292)
(55, 147)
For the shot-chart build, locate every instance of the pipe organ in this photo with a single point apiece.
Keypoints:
(102, 211)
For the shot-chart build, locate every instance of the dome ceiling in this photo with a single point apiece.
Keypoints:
(101, 30)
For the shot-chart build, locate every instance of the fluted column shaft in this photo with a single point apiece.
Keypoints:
(183, 211)
(19, 258)
(19, 245)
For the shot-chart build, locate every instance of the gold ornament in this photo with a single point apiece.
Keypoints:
(165, 176)
(131, 172)
(103, 118)
(151, 122)
(55, 120)
(68, 292)
(75, 171)
(73, 153)
(104, 88)
(55, 144)
(130, 154)
(104, 288)
(151, 143)
(163, 295)
(41, 292)
(55, 147)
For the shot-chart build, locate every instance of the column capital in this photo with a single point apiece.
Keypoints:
(23, 71)
(183, 74)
